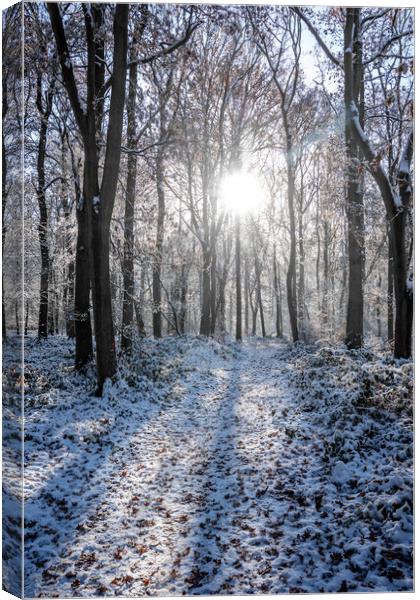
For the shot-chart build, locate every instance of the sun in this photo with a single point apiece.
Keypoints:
(242, 193)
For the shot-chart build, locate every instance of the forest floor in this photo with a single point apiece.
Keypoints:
(212, 468)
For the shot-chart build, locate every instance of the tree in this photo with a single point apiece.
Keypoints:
(98, 200)
(275, 49)
(130, 194)
(238, 279)
(397, 204)
(396, 198)
(44, 105)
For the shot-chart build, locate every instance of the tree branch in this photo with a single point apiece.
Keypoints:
(317, 36)
(188, 33)
(66, 66)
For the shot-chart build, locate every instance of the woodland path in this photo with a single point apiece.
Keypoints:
(221, 488)
(192, 502)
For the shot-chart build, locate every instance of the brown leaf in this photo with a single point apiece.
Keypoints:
(182, 519)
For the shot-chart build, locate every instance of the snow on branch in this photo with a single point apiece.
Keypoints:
(317, 36)
(387, 44)
(169, 49)
(66, 65)
(392, 200)
(406, 158)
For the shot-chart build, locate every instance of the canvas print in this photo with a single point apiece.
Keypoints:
(207, 299)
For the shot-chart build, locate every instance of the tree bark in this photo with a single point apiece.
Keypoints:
(254, 320)
(82, 323)
(205, 324)
(26, 317)
(68, 292)
(259, 292)
(238, 280)
(246, 296)
(390, 297)
(354, 195)
(183, 298)
(44, 113)
(378, 307)
(291, 271)
(157, 262)
(277, 295)
(4, 194)
(82, 281)
(326, 277)
(102, 210)
(130, 196)
(17, 317)
(301, 278)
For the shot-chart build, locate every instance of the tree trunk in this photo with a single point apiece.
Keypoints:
(277, 296)
(183, 298)
(157, 263)
(354, 199)
(51, 305)
(213, 275)
(291, 271)
(103, 207)
(26, 317)
(43, 226)
(4, 194)
(141, 330)
(301, 278)
(17, 317)
(390, 297)
(81, 314)
(82, 324)
(246, 296)
(378, 307)
(259, 293)
(326, 277)
(69, 301)
(130, 195)
(238, 280)
(205, 325)
(254, 320)
(402, 281)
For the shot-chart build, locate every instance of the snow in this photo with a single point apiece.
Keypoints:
(404, 167)
(95, 203)
(398, 202)
(80, 202)
(216, 468)
(89, 10)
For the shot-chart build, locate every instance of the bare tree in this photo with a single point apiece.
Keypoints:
(95, 214)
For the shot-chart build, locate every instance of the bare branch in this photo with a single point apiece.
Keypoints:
(317, 36)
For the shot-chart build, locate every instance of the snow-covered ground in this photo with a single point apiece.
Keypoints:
(216, 468)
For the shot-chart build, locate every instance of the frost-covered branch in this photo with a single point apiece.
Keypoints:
(66, 65)
(391, 199)
(169, 49)
(317, 36)
(387, 44)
